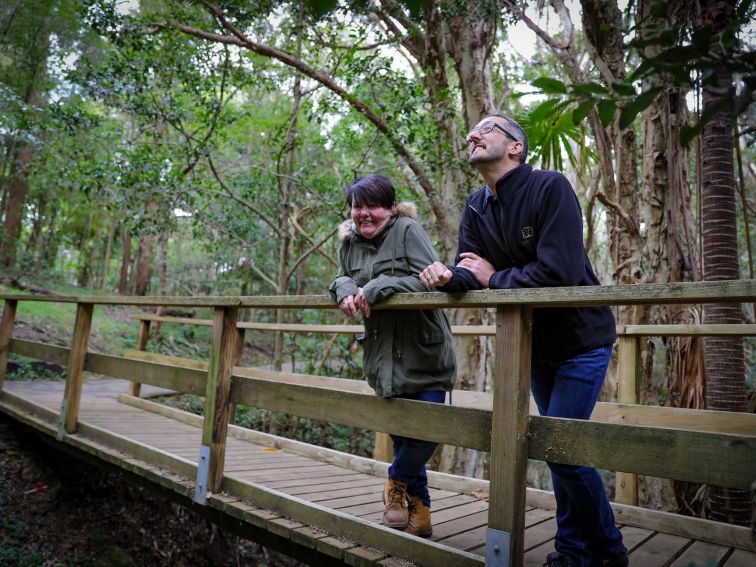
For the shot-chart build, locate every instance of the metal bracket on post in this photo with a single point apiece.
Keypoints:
(62, 421)
(498, 548)
(200, 494)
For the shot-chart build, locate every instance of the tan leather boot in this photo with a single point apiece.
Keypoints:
(419, 518)
(396, 514)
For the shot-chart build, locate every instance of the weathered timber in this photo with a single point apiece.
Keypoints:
(509, 431)
(141, 344)
(358, 464)
(463, 427)
(223, 355)
(178, 378)
(685, 526)
(678, 418)
(628, 380)
(693, 456)
(733, 291)
(304, 327)
(6, 334)
(146, 474)
(166, 359)
(344, 525)
(69, 412)
(32, 349)
(686, 330)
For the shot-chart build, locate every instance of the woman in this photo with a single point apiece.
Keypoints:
(407, 354)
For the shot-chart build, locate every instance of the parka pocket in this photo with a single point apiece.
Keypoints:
(397, 266)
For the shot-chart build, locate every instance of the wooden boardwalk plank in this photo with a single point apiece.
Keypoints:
(321, 491)
(658, 550)
(741, 558)
(701, 554)
(460, 520)
(633, 537)
(287, 483)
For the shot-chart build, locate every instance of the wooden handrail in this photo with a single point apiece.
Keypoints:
(510, 433)
(476, 330)
(732, 291)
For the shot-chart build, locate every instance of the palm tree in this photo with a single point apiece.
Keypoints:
(725, 366)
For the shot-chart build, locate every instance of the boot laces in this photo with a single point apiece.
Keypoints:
(398, 494)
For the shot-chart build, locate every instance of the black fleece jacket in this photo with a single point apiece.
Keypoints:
(532, 234)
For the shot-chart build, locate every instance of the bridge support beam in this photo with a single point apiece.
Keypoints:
(505, 540)
(6, 333)
(628, 380)
(69, 409)
(141, 344)
(223, 356)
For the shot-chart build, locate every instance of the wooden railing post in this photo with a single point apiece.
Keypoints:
(223, 356)
(237, 362)
(141, 344)
(505, 538)
(69, 409)
(6, 333)
(384, 447)
(628, 372)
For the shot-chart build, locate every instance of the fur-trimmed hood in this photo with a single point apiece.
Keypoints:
(404, 209)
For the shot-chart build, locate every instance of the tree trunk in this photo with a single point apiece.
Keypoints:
(471, 37)
(33, 70)
(162, 264)
(17, 191)
(143, 272)
(87, 257)
(725, 366)
(669, 250)
(286, 209)
(34, 248)
(123, 280)
(108, 252)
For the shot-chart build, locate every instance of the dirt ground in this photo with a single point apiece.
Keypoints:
(58, 511)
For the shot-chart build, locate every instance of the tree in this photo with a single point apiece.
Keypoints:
(28, 42)
(725, 367)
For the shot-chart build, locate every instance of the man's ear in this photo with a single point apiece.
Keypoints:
(515, 148)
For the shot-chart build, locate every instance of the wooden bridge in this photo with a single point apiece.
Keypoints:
(323, 506)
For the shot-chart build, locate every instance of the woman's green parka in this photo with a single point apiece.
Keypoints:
(404, 351)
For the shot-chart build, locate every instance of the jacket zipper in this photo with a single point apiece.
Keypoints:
(504, 241)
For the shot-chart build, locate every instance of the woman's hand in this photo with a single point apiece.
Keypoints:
(351, 304)
(348, 306)
(361, 302)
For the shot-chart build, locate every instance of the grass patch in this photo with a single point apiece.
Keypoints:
(13, 550)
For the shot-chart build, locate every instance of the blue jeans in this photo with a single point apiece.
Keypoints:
(586, 530)
(410, 455)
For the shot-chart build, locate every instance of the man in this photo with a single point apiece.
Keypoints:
(524, 229)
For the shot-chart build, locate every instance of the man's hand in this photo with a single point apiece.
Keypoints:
(435, 275)
(480, 267)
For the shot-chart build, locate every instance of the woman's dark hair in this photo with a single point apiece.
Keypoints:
(373, 191)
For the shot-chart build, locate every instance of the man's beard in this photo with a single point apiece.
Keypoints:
(484, 155)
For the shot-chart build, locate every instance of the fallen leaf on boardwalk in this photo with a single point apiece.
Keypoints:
(480, 494)
(269, 449)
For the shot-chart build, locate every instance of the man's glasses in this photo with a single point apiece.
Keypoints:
(485, 128)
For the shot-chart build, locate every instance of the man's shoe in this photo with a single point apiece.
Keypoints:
(620, 560)
(556, 559)
(396, 513)
(419, 518)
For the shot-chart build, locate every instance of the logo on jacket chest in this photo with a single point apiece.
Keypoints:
(527, 233)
